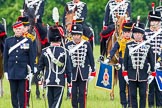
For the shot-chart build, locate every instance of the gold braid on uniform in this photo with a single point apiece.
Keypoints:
(30, 36)
(83, 37)
(159, 59)
(122, 44)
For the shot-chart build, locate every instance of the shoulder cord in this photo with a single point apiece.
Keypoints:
(51, 67)
(61, 55)
(47, 80)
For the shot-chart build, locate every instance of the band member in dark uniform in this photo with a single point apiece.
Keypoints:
(26, 33)
(82, 59)
(56, 62)
(136, 66)
(38, 6)
(26, 24)
(81, 12)
(113, 8)
(18, 64)
(120, 46)
(80, 17)
(155, 95)
(34, 9)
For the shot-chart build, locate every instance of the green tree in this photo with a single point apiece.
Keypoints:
(9, 9)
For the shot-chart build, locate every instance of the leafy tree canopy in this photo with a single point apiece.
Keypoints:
(9, 9)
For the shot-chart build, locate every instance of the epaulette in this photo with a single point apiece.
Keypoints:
(85, 38)
(30, 36)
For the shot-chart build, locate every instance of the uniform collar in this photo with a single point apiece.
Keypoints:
(78, 42)
(127, 38)
(139, 41)
(55, 44)
(18, 37)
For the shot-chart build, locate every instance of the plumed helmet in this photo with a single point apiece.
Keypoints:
(77, 29)
(55, 33)
(154, 16)
(138, 28)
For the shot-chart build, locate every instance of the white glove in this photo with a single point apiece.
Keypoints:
(29, 76)
(150, 79)
(47, 81)
(29, 69)
(107, 60)
(126, 79)
(6, 75)
(101, 58)
(69, 88)
(157, 65)
(35, 69)
(90, 78)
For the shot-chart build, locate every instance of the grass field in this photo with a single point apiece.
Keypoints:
(97, 98)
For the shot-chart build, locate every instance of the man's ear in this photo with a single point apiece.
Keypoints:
(14, 29)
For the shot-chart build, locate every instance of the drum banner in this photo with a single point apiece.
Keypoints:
(159, 78)
(105, 77)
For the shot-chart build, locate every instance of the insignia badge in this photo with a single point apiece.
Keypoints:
(105, 80)
(105, 77)
(24, 46)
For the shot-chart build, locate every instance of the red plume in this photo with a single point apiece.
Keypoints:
(153, 7)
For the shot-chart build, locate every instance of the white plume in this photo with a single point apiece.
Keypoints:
(138, 20)
(55, 14)
(21, 11)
